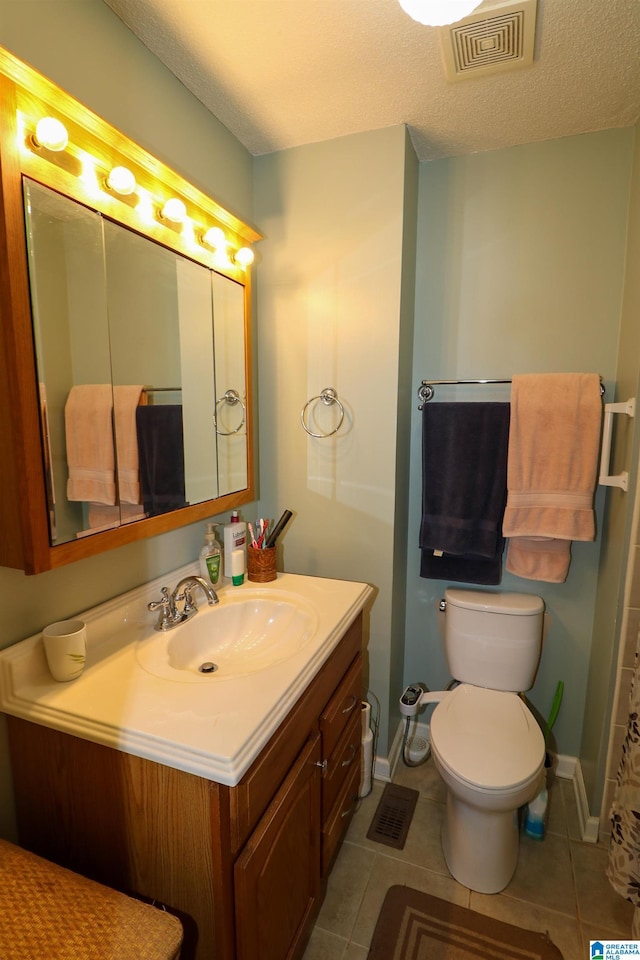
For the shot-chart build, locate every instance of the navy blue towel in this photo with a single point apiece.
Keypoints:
(464, 490)
(161, 456)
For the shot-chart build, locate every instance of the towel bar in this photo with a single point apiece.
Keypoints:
(426, 391)
(606, 479)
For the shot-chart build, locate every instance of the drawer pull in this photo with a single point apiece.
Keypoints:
(353, 799)
(323, 764)
(352, 705)
(354, 750)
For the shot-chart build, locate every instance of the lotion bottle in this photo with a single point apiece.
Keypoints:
(235, 538)
(211, 557)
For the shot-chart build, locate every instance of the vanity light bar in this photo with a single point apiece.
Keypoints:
(51, 134)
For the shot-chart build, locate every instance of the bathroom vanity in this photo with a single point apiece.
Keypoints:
(244, 862)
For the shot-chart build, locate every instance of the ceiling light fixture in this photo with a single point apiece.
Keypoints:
(437, 13)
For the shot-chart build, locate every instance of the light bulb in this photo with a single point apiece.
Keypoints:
(174, 210)
(244, 257)
(214, 237)
(437, 13)
(122, 181)
(51, 133)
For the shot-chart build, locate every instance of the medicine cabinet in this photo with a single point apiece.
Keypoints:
(125, 356)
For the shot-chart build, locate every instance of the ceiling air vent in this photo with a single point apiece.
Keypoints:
(492, 40)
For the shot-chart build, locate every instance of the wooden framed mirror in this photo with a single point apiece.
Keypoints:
(126, 342)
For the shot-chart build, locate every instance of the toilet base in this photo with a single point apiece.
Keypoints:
(480, 846)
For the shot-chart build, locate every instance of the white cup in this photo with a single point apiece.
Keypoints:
(65, 647)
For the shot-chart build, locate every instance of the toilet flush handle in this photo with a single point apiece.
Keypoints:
(442, 606)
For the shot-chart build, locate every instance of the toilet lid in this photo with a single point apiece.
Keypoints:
(488, 738)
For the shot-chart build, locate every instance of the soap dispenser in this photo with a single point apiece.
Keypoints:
(211, 556)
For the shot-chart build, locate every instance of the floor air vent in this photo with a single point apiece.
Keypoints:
(495, 39)
(392, 818)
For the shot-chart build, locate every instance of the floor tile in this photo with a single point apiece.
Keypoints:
(386, 872)
(562, 930)
(598, 902)
(325, 946)
(345, 889)
(424, 778)
(355, 952)
(544, 874)
(559, 886)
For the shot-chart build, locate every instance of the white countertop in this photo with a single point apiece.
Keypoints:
(213, 728)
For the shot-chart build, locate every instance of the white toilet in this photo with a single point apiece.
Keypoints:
(486, 743)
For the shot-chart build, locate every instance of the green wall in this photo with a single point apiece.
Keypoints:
(521, 256)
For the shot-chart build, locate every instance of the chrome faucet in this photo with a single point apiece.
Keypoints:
(169, 614)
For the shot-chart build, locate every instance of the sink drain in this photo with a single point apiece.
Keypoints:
(208, 667)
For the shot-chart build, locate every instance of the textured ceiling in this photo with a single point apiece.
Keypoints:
(280, 73)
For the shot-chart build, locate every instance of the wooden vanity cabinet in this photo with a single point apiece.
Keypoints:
(245, 867)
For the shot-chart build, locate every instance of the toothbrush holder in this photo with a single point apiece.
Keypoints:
(261, 564)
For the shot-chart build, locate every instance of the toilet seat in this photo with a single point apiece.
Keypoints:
(488, 739)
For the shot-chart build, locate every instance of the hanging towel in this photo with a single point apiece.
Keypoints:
(551, 473)
(161, 456)
(89, 439)
(125, 402)
(102, 517)
(464, 488)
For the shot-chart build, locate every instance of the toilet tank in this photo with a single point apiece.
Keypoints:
(493, 639)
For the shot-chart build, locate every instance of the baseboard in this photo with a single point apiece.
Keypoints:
(566, 768)
(589, 826)
(384, 767)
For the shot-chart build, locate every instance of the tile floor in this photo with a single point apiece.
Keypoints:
(559, 885)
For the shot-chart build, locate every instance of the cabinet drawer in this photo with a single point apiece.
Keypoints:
(339, 764)
(341, 708)
(335, 828)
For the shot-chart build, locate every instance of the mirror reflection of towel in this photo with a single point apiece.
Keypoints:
(464, 455)
(161, 457)
(89, 440)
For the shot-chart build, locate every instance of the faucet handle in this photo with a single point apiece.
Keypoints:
(164, 607)
(190, 605)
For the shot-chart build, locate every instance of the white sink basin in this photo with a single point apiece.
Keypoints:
(234, 638)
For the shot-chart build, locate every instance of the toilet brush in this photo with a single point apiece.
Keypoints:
(536, 812)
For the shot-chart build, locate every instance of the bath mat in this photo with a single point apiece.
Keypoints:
(417, 926)
(392, 818)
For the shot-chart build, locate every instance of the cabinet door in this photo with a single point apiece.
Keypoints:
(277, 876)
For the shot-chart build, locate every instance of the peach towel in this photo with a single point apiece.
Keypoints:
(90, 414)
(552, 464)
(125, 400)
(89, 436)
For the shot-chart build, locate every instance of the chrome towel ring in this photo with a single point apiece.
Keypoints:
(327, 396)
(231, 397)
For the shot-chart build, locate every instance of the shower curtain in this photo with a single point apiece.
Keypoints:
(623, 868)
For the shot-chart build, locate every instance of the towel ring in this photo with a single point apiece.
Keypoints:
(327, 396)
(231, 397)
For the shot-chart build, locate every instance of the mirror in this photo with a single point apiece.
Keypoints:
(141, 364)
